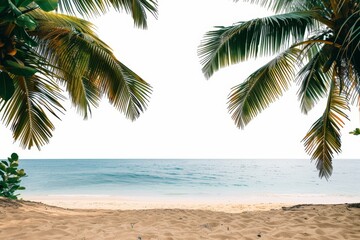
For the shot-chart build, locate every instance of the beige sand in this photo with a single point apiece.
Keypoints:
(128, 203)
(37, 221)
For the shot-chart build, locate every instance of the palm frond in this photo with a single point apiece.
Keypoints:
(351, 80)
(331, 53)
(288, 5)
(89, 8)
(324, 137)
(351, 41)
(349, 53)
(314, 83)
(81, 56)
(258, 37)
(61, 42)
(354, 87)
(91, 95)
(47, 86)
(262, 87)
(57, 20)
(25, 110)
(139, 93)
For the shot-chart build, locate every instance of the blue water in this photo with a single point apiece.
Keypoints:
(187, 178)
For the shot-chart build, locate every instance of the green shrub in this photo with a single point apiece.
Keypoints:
(11, 177)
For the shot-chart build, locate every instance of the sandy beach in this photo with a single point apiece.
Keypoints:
(35, 221)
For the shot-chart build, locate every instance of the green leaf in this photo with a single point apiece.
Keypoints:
(324, 137)
(13, 189)
(355, 132)
(262, 87)
(23, 35)
(13, 180)
(11, 170)
(47, 5)
(14, 9)
(4, 184)
(95, 71)
(24, 3)
(26, 22)
(19, 69)
(14, 164)
(137, 8)
(21, 173)
(241, 41)
(285, 5)
(2, 8)
(14, 157)
(314, 84)
(6, 86)
(5, 163)
(2, 167)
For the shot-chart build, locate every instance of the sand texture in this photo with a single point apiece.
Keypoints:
(35, 221)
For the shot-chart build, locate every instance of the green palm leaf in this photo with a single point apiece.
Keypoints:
(289, 5)
(314, 84)
(90, 8)
(330, 53)
(34, 96)
(139, 93)
(42, 50)
(91, 96)
(258, 37)
(351, 81)
(25, 111)
(80, 56)
(351, 41)
(262, 87)
(324, 137)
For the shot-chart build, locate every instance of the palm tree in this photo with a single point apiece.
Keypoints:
(317, 43)
(43, 52)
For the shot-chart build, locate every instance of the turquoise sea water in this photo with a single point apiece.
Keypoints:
(187, 178)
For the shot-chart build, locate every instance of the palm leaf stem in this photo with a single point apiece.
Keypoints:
(318, 41)
(330, 24)
(29, 9)
(333, 4)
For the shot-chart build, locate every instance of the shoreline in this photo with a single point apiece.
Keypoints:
(120, 203)
(249, 203)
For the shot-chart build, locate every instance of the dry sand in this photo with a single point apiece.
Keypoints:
(36, 221)
(143, 203)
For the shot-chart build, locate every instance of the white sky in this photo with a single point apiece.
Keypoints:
(187, 116)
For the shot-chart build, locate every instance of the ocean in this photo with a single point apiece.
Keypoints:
(192, 179)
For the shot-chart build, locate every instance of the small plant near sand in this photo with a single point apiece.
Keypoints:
(11, 177)
(355, 132)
